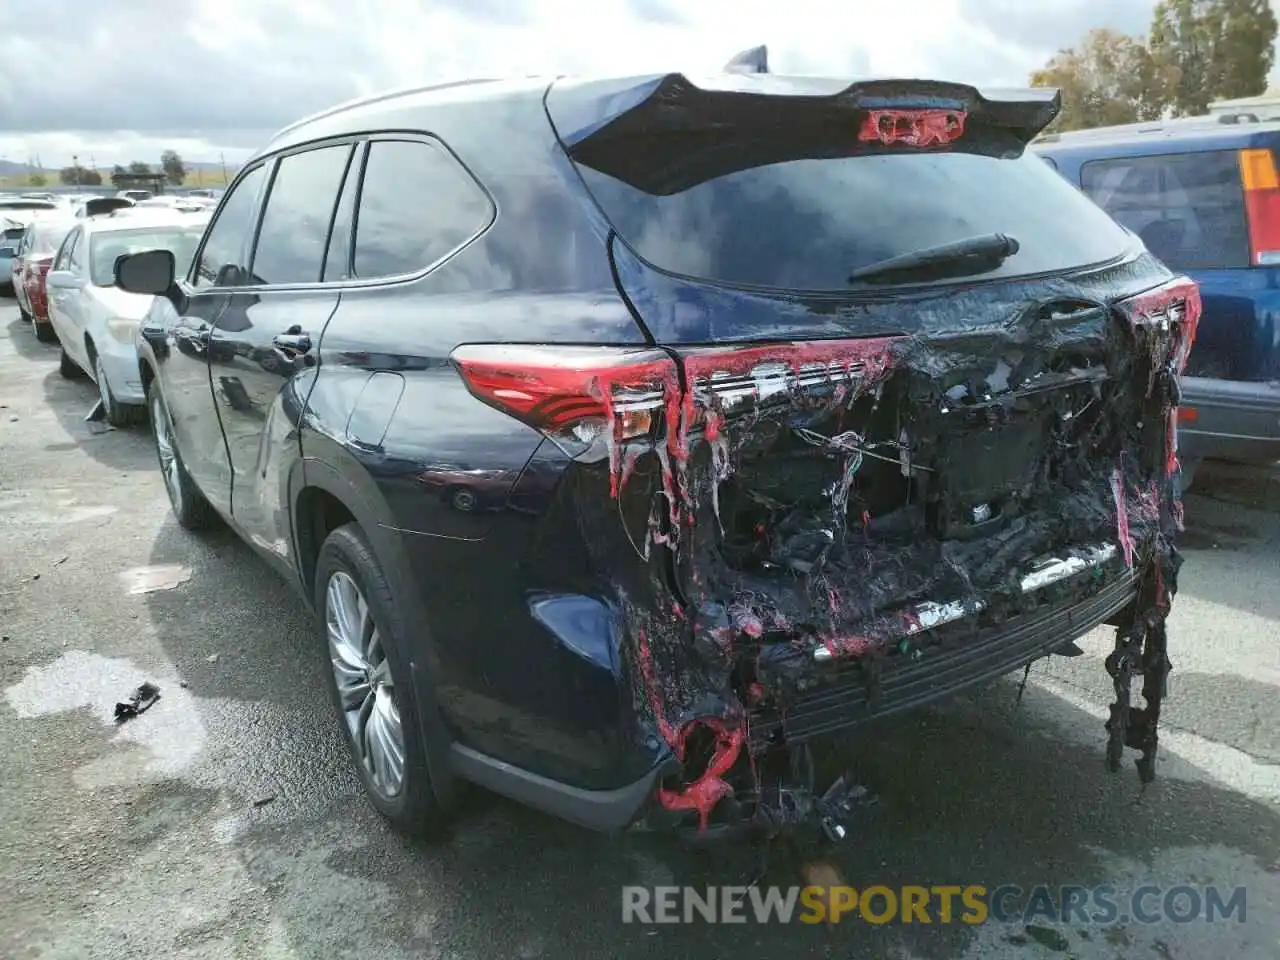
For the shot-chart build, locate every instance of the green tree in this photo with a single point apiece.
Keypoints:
(37, 180)
(78, 175)
(1110, 78)
(1212, 50)
(171, 163)
(137, 166)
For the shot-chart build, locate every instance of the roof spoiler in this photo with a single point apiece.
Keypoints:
(693, 132)
(755, 60)
(100, 205)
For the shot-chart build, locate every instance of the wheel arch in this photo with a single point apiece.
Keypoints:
(323, 499)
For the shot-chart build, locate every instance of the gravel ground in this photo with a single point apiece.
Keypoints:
(225, 822)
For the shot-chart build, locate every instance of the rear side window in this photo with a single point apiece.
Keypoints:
(1188, 208)
(417, 205)
(806, 224)
(295, 223)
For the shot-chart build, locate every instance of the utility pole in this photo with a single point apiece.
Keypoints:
(222, 158)
(75, 168)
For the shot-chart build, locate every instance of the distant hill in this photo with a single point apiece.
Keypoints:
(9, 168)
(17, 176)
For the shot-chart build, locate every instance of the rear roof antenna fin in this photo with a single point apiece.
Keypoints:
(755, 60)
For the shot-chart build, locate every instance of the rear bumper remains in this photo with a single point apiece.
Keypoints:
(948, 653)
(1233, 420)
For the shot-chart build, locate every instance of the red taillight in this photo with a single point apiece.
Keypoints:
(571, 390)
(1262, 205)
(913, 128)
(1169, 316)
(1187, 415)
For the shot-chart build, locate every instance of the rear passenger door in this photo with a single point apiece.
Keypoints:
(1189, 210)
(261, 348)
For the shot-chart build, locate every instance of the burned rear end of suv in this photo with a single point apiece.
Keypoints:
(844, 479)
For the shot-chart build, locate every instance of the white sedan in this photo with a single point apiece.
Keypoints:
(94, 320)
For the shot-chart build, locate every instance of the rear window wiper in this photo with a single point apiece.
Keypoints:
(968, 256)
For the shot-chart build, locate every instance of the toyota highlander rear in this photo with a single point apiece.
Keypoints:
(904, 423)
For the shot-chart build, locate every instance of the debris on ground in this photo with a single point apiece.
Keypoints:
(164, 576)
(263, 801)
(1048, 937)
(60, 561)
(212, 658)
(139, 702)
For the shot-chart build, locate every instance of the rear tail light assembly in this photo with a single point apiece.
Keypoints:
(1261, 186)
(1171, 311)
(582, 395)
(1171, 307)
(571, 392)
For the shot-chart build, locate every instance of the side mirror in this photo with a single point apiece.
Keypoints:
(63, 280)
(150, 272)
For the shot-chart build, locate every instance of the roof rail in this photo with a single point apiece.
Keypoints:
(1172, 125)
(376, 98)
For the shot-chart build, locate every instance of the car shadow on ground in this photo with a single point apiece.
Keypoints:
(24, 339)
(123, 448)
(982, 791)
(1233, 511)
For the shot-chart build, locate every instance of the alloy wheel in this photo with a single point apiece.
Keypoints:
(365, 688)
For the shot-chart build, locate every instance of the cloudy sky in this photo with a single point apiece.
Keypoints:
(118, 80)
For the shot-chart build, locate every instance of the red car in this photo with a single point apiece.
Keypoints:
(31, 264)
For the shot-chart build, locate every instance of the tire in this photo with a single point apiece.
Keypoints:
(347, 561)
(1187, 475)
(45, 332)
(68, 367)
(117, 414)
(190, 508)
(23, 315)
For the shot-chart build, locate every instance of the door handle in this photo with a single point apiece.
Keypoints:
(294, 343)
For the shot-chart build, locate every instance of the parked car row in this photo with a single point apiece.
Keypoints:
(62, 275)
(1204, 196)
(578, 412)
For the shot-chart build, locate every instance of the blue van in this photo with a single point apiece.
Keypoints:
(1204, 196)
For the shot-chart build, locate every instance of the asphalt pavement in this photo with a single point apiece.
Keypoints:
(225, 821)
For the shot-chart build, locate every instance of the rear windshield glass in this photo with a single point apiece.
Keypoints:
(1188, 208)
(105, 248)
(805, 224)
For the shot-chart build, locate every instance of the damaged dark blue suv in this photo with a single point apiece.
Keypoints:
(628, 435)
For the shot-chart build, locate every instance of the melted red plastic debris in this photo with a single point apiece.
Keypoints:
(710, 787)
(872, 355)
(1151, 308)
(913, 128)
(1123, 535)
(669, 733)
